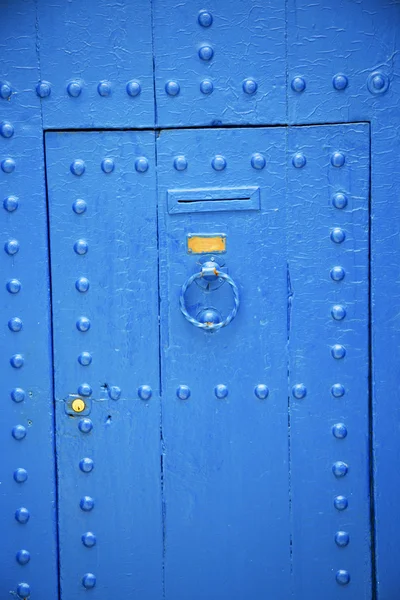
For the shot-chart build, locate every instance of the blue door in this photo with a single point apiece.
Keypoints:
(211, 361)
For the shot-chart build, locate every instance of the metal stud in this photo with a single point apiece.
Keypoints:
(89, 581)
(299, 391)
(85, 425)
(13, 286)
(141, 164)
(84, 389)
(114, 392)
(206, 86)
(23, 590)
(339, 200)
(183, 392)
(180, 163)
(378, 82)
(172, 88)
(81, 247)
(338, 159)
(339, 468)
(343, 577)
(338, 235)
(339, 430)
(340, 502)
(10, 203)
(79, 207)
(85, 359)
(298, 84)
(18, 432)
(299, 160)
(338, 351)
(338, 312)
(20, 475)
(145, 392)
(87, 503)
(258, 161)
(261, 391)
(342, 538)
(107, 165)
(22, 515)
(82, 284)
(206, 53)
(74, 89)
(221, 391)
(86, 465)
(6, 129)
(17, 361)
(8, 165)
(83, 324)
(104, 89)
(18, 395)
(88, 539)
(337, 273)
(218, 163)
(5, 90)
(337, 390)
(340, 81)
(15, 324)
(43, 89)
(133, 88)
(11, 247)
(205, 18)
(78, 167)
(23, 557)
(249, 86)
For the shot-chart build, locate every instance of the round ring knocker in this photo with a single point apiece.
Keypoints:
(210, 270)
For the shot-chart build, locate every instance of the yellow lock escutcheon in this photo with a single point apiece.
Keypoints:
(78, 405)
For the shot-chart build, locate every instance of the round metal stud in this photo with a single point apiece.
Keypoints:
(206, 87)
(22, 515)
(261, 391)
(114, 392)
(86, 465)
(74, 89)
(206, 53)
(18, 395)
(145, 392)
(18, 432)
(378, 82)
(172, 88)
(180, 163)
(23, 590)
(85, 359)
(89, 539)
(10, 203)
(107, 165)
(183, 392)
(13, 286)
(299, 160)
(218, 163)
(86, 503)
(8, 165)
(23, 557)
(83, 324)
(340, 502)
(338, 235)
(20, 475)
(339, 468)
(81, 247)
(339, 431)
(77, 167)
(338, 159)
(6, 129)
(82, 284)
(342, 538)
(104, 89)
(337, 273)
(337, 390)
(79, 207)
(221, 391)
(340, 81)
(141, 164)
(133, 88)
(299, 391)
(343, 577)
(43, 89)
(205, 18)
(5, 90)
(338, 312)
(249, 86)
(298, 84)
(84, 390)
(258, 161)
(88, 581)
(11, 247)
(339, 200)
(15, 324)
(17, 361)
(338, 351)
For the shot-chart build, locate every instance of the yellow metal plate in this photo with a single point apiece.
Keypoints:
(206, 244)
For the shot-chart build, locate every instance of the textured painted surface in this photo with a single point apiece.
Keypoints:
(104, 280)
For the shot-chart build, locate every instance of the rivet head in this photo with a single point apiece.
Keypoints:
(22, 515)
(74, 89)
(82, 284)
(337, 273)
(172, 88)
(107, 165)
(298, 84)
(43, 89)
(78, 405)
(261, 391)
(299, 160)
(205, 18)
(340, 81)
(340, 502)
(337, 390)
(338, 312)
(221, 391)
(180, 163)
(18, 395)
(15, 324)
(378, 82)
(206, 86)
(183, 392)
(6, 129)
(206, 53)
(85, 359)
(23, 590)
(299, 391)
(338, 235)
(343, 577)
(10, 203)
(11, 247)
(249, 86)
(339, 200)
(141, 164)
(79, 207)
(20, 475)
(13, 286)
(81, 247)
(133, 88)
(338, 159)
(17, 361)
(145, 392)
(339, 431)
(8, 165)
(5, 90)
(338, 351)
(23, 557)
(89, 581)
(84, 389)
(78, 167)
(86, 503)
(83, 324)
(218, 163)
(18, 432)
(339, 468)
(342, 538)
(104, 88)
(86, 465)
(114, 392)
(258, 161)
(89, 539)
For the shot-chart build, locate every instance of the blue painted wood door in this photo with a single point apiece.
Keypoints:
(223, 464)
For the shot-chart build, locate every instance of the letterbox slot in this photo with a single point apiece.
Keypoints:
(213, 199)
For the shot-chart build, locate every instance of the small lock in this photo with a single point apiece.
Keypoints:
(78, 405)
